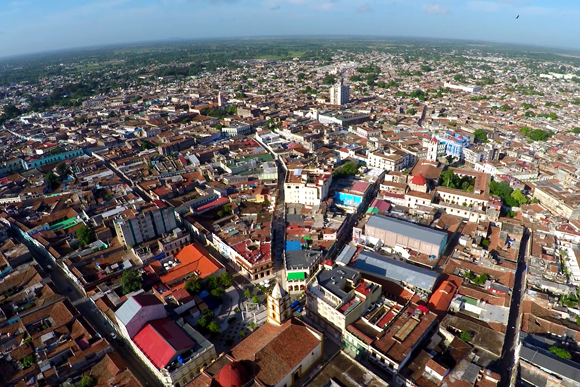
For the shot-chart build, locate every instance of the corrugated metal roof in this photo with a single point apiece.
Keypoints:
(128, 310)
(395, 270)
(565, 368)
(133, 304)
(407, 229)
(345, 255)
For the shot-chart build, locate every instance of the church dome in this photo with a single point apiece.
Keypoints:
(419, 180)
(233, 375)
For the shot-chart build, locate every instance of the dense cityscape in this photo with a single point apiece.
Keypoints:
(291, 213)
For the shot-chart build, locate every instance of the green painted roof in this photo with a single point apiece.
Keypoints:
(296, 275)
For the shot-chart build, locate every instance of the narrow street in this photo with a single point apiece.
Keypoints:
(507, 362)
(93, 315)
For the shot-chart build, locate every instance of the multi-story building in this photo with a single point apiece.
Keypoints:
(235, 128)
(174, 353)
(140, 225)
(172, 243)
(392, 161)
(479, 154)
(308, 187)
(337, 296)
(394, 232)
(559, 199)
(401, 336)
(339, 93)
(454, 143)
(300, 265)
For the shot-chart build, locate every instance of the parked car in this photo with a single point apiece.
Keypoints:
(299, 310)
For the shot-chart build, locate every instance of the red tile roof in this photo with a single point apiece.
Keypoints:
(161, 340)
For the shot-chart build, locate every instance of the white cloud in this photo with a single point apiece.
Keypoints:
(364, 9)
(485, 6)
(435, 9)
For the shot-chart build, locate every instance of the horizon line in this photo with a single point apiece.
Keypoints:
(329, 36)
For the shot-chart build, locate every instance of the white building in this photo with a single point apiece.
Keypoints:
(339, 94)
(144, 225)
(391, 161)
(307, 187)
(236, 127)
(469, 89)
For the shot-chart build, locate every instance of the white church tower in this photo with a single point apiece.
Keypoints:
(432, 149)
(278, 305)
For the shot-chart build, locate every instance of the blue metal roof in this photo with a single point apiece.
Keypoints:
(293, 246)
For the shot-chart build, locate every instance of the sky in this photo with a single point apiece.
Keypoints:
(28, 26)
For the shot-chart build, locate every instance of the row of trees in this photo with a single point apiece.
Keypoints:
(451, 180)
(349, 168)
(214, 285)
(10, 112)
(536, 134)
(510, 197)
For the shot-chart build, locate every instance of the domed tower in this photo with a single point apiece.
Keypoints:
(233, 375)
(432, 149)
(278, 305)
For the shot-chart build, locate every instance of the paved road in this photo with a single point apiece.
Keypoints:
(507, 361)
(137, 189)
(93, 316)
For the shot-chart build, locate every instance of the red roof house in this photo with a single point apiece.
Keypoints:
(162, 341)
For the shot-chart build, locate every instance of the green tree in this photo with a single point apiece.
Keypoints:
(411, 112)
(329, 80)
(348, 169)
(217, 293)
(255, 300)
(418, 94)
(10, 112)
(247, 293)
(519, 197)
(355, 78)
(85, 235)
(193, 285)
(560, 352)
(242, 334)
(203, 321)
(226, 280)
(252, 325)
(87, 381)
(28, 361)
(211, 282)
(214, 328)
(480, 135)
(576, 130)
(465, 336)
(504, 191)
(131, 281)
(52, 180)
(62, 169)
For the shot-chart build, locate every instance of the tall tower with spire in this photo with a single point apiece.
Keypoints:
(432, 149)
(278, 305)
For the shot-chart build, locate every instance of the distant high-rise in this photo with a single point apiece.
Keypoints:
(221, 99)
(339, 93)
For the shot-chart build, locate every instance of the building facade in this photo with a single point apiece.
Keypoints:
(145, 225)
(339, 93)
